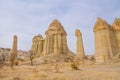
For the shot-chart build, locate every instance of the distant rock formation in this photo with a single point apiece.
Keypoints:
(55, 41)
(4, 54)
(105, 42)
(37, 46)
(14, 52)
(80, 55)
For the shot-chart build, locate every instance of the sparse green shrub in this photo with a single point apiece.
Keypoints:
(16, 63)
(74, 66)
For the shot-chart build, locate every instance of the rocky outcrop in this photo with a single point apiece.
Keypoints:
(105, 42)
(116, 28)
(101, 31)
(37, 45)
(34, 45)
(55, 41)
(116, 24)
(4, 54)
(14, 52)
(101, 25)
(80, 55)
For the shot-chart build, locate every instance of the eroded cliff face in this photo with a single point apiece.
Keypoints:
(116, 29)
(55, 41)
(116, 24)
(37, 45)
(101, 25)
(14, 51)
(105, 42)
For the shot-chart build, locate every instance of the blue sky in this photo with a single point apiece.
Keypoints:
(27, 18)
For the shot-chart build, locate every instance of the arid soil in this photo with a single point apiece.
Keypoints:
(61, 71)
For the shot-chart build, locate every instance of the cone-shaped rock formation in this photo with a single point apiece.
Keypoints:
(55, 41)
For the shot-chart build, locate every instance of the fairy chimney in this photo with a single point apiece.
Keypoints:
(79, 45)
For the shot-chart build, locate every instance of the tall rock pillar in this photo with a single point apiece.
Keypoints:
(103, 41)
(14, 47)
(13, 53)
(80, 49)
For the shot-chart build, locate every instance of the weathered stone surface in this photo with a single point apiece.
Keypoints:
(114, 44)
(4, 54)
(101, 25)
(37, 45)
(79, 45)
(101, 40)
(116, 24)
(40, 45)
(34, 45)
(105, 42)
(14, 52)
(116, 28)
(55, 41)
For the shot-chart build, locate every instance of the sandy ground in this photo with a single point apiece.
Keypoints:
(61, 71)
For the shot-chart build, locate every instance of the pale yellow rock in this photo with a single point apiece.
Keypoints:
(51, 43)
(57, 25)
(55, 44)
(114, 42)
(55, 40)
(116, 28)
(116, 24)
(79, 46)
(100, 25)
(59, 43)
(45, 47)
(65, 47)
(37, 45)
(40, 45)
(117, 35)
(34, 45)
(13, 52)
(104, 41)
